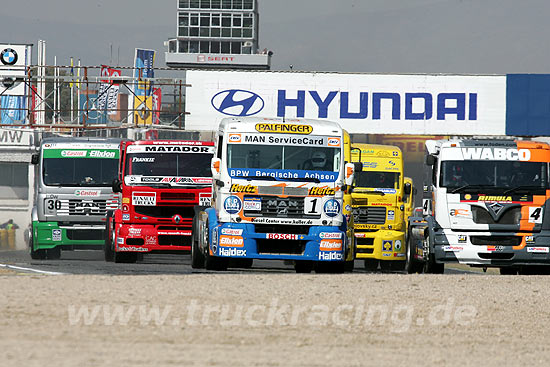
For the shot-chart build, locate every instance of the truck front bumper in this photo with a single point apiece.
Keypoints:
(380, 245)
(48, 235)
(150, 238)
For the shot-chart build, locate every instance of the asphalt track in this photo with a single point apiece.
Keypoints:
(91, 262)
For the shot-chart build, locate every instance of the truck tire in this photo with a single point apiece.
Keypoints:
(411, 264)
(431, 267)
(303, 266)
(197, 257)
(212, 262)
(109, 235)
(371, 264)
(35, 254)
(53, 253)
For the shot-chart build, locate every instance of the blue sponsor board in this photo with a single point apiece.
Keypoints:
(282, 175)
(143, 64)
(528, 104)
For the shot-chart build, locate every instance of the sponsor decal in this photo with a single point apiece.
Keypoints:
(370, 164)
(235, 138)
(348, 208)
(305, 222)
(322, 176)
(330, 256)
(387, 245)
(175, 149)
(232, 204)
(397, 245)
(380, 204)
(231, 252)
(460, 213)
(205, 199)
(202, 180)
(452, 248)
(321, 191)
(333, 142)
(247, 189)
(175, 233)
(360, 234)
(332, 208)
(102, 154)
(120, 241)
(132, 249)
(496, 154)
(237, 102)
(462, 238)
(283, 236)
(285, 129)
(150, 240)
(74, 153)
(56, 235)
(231, 241)
(495, 248)
(391, 215)
(529, 239)
(253, 204)
(330, 235)
(386, 255)
(538, 250)
(144, 198)
(330, 245)
(399, 255)
(385, 190)
(535, 215)
(87, 193)
(143, 160)
(496, 198)
(134, 231)
(125, 216)
(232, 231)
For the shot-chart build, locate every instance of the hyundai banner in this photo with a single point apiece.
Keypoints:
(361, 103)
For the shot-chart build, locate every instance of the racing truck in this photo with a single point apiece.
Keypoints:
(161, 183)
(73, 193)
(485, 204)
(378, 206)
(277, 193)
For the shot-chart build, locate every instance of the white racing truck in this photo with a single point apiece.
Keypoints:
(485, 204)
(277, 194)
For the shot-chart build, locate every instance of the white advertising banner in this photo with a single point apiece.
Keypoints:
(361, 103)
(13, 62)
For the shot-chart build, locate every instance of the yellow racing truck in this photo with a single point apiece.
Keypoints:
(378, 202)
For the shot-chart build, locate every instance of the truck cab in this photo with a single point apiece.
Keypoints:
(161, 183)
(73, 193)
(277, 194)
(378, 206)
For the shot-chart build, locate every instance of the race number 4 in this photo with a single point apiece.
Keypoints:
(535, 215)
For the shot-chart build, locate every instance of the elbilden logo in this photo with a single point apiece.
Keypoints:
(9, 56)
(237, 102)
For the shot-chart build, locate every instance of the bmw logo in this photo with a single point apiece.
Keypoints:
(238, 102)
(8, 56)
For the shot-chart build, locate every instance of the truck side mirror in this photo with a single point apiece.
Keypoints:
(430, 160)
(358, 167)
(35, 158)
(215, 167)
(408, 188)
(349, 169)
(116, 185)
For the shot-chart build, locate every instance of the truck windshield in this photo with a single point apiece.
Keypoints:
(79, 171)
(168, 164)
(279, 157)
(377, 179)
(497, 174)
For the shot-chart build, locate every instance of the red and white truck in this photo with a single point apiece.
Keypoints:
(162, 183)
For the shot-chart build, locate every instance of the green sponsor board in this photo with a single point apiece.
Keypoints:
(82, 153)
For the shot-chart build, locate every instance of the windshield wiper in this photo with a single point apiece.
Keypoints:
(306, 179)
(463, 187)
(266, 178)
(522, 187)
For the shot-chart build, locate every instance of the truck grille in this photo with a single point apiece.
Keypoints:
(481, 216)
(280, 208)
(82, 207)
(187, 212)
(369, 215)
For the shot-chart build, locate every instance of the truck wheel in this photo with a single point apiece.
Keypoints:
(508, 270)
(36, 254)
(108, 246)
(371, 264)
(197, 257)
(53, 253)
(212, 262)
(412, 265)
(303, 266)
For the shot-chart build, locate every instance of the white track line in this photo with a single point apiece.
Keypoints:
(30, 269)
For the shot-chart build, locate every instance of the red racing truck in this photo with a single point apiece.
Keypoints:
(162, 183)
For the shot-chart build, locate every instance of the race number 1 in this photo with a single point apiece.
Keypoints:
(312, 206)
